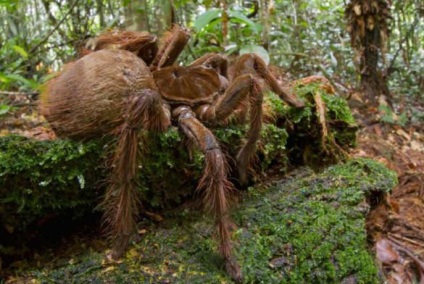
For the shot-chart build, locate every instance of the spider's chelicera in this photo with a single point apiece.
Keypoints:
(126, 84)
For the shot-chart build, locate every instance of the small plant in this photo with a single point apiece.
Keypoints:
(387, 115)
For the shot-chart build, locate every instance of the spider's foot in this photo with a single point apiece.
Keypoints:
(233, 270)
(242, 166)
(298, 104)
(294, 101)
(242, 177)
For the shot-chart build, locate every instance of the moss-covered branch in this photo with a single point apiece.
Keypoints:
(307, 228)
(41, 179)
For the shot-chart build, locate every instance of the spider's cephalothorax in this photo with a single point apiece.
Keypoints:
(127, 84)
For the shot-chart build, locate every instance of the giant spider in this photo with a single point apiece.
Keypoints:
(126, 85)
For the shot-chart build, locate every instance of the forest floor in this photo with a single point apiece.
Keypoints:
(396, 226)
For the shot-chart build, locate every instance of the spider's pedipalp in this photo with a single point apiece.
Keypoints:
(244, 90)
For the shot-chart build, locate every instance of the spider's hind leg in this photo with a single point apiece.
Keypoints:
(145, 112)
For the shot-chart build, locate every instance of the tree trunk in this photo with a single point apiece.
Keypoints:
(135, 13)
(368, 29)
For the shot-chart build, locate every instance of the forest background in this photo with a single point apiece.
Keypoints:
(372, 51)
(303, 37)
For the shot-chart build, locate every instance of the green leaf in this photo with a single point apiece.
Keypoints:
(256, 49)
(4, 109)
(4, 78)
(20, 50)
(204, 19)
(32, 84)
(242, 18)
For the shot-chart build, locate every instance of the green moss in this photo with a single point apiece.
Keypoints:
(40, 178)
(313, 230)
(44, 178)
(304, 142)
(308, 228)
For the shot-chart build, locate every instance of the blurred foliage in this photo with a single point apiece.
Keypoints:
(304, 37)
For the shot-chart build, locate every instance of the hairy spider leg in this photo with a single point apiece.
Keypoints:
(214, 185)
(245, 89)
(142, 44)
(250, 63)
(147, 112)
(174, 42)
(216, 61)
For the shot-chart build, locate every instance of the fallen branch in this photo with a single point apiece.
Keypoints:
(19, 93)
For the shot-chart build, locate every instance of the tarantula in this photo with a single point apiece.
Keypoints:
(127, 85)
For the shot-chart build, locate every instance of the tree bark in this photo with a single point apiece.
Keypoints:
(368, 29)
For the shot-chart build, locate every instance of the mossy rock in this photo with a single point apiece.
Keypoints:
(306, 228)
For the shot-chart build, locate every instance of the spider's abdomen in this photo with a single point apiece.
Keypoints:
(89, 96)
(187, 85)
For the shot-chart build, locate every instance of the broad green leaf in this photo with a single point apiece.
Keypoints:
(32, 84)
(230, 49)
(204, 19)
(20, 50)
(242, 18)
(256, 49)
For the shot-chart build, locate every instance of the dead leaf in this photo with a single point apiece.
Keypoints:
(385, 252)
(357, 9)
(153, 216)
(402, 133)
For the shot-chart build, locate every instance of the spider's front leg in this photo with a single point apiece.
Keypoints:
(174, 42)
(244, 89)
(145, 111)
(214, 183)
(252, 64)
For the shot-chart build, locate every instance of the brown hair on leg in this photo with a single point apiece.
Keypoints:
(243, 90)
(142, 44)
(173, 43)
(121, 202)
(252, 64)
(214, 185)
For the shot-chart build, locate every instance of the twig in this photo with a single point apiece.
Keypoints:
(411, 29)
(398, 238)
(55, 27)
(18, 93)
(291, 53)
(415, 257)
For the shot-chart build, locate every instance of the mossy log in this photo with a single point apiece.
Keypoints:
(43, 179)
(40, 178)
(305, 228)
